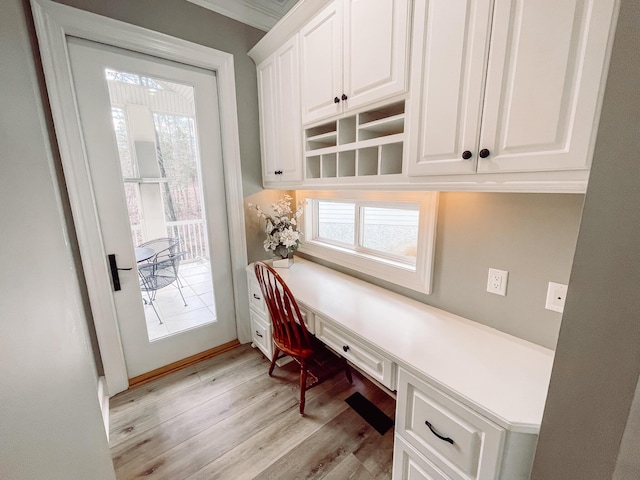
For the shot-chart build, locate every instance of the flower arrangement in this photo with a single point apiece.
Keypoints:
(283, 238)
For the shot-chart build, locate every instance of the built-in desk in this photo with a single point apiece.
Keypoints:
(470, 399)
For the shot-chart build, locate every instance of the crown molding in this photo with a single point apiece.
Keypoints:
(261, 14)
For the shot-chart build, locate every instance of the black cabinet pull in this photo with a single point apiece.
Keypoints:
(484, 153)
(278, 172)
(336, 100)
(345, 348)
(344, 97)
(466, 155)
(256, 297)
(443, 438)
(258, 334)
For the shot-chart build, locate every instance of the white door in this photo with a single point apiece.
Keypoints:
(91, 64)
(543, 78)
(376, 44)
(450, 45)
(321, 64)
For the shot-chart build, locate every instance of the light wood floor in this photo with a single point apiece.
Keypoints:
(225, 418)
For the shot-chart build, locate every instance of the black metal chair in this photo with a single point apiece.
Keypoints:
(161, 270)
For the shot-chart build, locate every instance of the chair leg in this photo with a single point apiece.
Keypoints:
(276, 352)
(157, 314)
(303, 385)
(180, 290)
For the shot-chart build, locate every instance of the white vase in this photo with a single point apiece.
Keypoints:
(282, 262)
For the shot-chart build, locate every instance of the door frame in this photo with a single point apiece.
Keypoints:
(54, 22)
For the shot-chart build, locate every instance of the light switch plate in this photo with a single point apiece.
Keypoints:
(556, 296)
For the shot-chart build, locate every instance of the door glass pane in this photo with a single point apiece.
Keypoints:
(156, 132)
(392, 231)
(336, 222)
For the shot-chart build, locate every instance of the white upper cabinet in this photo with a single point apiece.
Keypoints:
(353, 53)
(280, 123)
(507, 85)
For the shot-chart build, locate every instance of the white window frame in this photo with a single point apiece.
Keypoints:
(369, 262)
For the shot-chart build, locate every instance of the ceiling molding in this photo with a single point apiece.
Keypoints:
(261, 14)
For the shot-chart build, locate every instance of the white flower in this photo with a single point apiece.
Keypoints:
(282, 236)
(289, 237)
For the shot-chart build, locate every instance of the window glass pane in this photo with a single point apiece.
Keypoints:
(390, 230)
(336, 222)
(177, 156)
(122, 138)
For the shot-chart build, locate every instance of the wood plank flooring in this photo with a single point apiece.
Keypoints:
(226, 419)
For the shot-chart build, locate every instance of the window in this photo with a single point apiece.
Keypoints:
(388, 235)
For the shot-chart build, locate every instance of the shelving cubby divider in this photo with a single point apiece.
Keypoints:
(366, 144)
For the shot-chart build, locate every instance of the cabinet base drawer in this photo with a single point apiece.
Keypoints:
(459, 441)
(408, 464)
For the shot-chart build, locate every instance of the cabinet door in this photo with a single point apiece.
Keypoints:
(280, 123)
(289, 133)
(376, 40)
(543, 87)
(321, 64)
(450, 48)
(267, 98)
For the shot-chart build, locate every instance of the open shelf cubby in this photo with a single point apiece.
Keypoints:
(366, 144)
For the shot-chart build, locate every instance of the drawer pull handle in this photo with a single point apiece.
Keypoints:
(345, 348)
(256, 296)
(258, 334)
(444, 439)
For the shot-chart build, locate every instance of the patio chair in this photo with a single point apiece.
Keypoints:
(161, 270)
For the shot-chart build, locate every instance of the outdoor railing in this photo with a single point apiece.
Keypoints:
(192, 238)
(190, 232)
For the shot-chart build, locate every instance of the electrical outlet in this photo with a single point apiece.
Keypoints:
(556, 295)
(497, 281)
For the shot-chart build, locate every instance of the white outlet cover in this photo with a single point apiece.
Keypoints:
(556, 296)
(497, 281)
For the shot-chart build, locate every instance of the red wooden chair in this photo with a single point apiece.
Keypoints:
(291, 337)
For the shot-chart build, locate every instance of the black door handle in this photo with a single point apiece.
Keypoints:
(114, 272)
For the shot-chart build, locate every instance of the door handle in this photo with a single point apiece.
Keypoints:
(114, 272)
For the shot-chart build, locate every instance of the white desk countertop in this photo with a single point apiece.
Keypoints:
(502, 376)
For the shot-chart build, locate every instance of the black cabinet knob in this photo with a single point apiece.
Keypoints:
(344, 97)
(466, 155)
(345, 348)
(484, 153)
(336, 100)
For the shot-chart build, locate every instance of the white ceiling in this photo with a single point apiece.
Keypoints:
(261, 14)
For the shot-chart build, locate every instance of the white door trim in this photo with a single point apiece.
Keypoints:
(54, 22)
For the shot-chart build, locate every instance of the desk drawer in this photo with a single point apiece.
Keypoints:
(357, 352)
(261, 334)
(456, 439)
(255, 295)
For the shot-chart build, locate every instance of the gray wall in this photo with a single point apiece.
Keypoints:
(597, 362)
(50, 421)
(532, 236)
